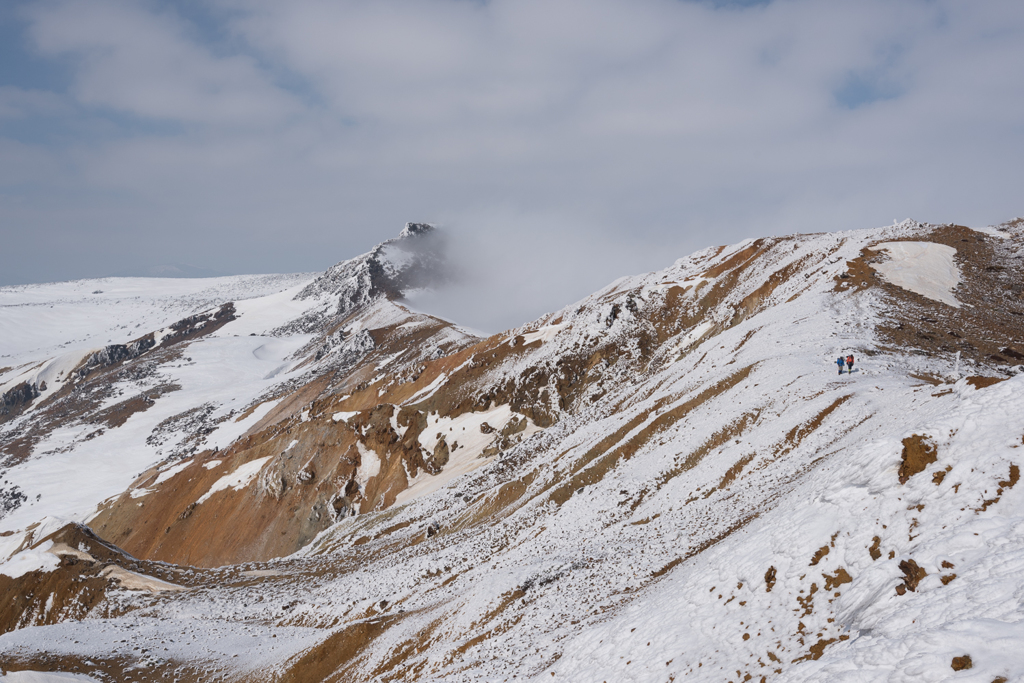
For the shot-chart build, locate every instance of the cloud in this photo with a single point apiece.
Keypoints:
(509, 266)
(142, 62)
(21, 103)
(568, 142)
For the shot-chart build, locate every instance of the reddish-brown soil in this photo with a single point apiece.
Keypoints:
(918, 452)
(961, 663)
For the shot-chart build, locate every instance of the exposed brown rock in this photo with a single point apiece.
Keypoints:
(837, 579)
(874, 549)
(962, 662)
(979, 382)
(818, 649)
(918, 452)
(769, 579)
(818, 555)
(912, 575)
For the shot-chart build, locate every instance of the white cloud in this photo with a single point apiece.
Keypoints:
(290, 135)
(142, 62)
(20, 103)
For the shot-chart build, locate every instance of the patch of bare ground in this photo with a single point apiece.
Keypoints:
(962, 663)
(807, 601)
(918, 452)
(859, 274)
(912, 576)
(838, 578)
(818, 649)
(988, 328)
(940, 476)
(755, 301)
(737, 260)
(734, 471)
(491, 508)
(403, 665)
(875, 550)
(110, 668)
(819, 554)
(1003, 485)
(979, 382)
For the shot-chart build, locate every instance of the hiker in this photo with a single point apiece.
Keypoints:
(839, 362)
(849, 364)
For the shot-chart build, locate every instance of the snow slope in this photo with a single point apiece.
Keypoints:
(712, 503)
(39, 321)
(200, 364)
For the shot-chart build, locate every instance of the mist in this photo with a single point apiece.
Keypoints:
(507, 268)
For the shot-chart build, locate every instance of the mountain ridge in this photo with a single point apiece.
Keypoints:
(458, 508)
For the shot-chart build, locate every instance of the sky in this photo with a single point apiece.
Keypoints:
(560, 143)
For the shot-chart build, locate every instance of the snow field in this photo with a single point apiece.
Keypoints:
(31, 560)
(225, 371)
(38, 322)
(922, 267)
(649, 560)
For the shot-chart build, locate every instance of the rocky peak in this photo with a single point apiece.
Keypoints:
(416, 229)
(413, 260)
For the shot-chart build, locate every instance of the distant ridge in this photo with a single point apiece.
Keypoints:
(169, 270)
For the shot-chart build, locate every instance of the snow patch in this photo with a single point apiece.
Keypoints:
(694, 335)
(138, 582)
(369, 465)
(924, 268)
(543, 334)
(238, 479)
(171, 471)
(31, 560)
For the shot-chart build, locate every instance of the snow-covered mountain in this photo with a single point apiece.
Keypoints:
(282, 478)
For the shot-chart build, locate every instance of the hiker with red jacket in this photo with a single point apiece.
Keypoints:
(849, 364)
